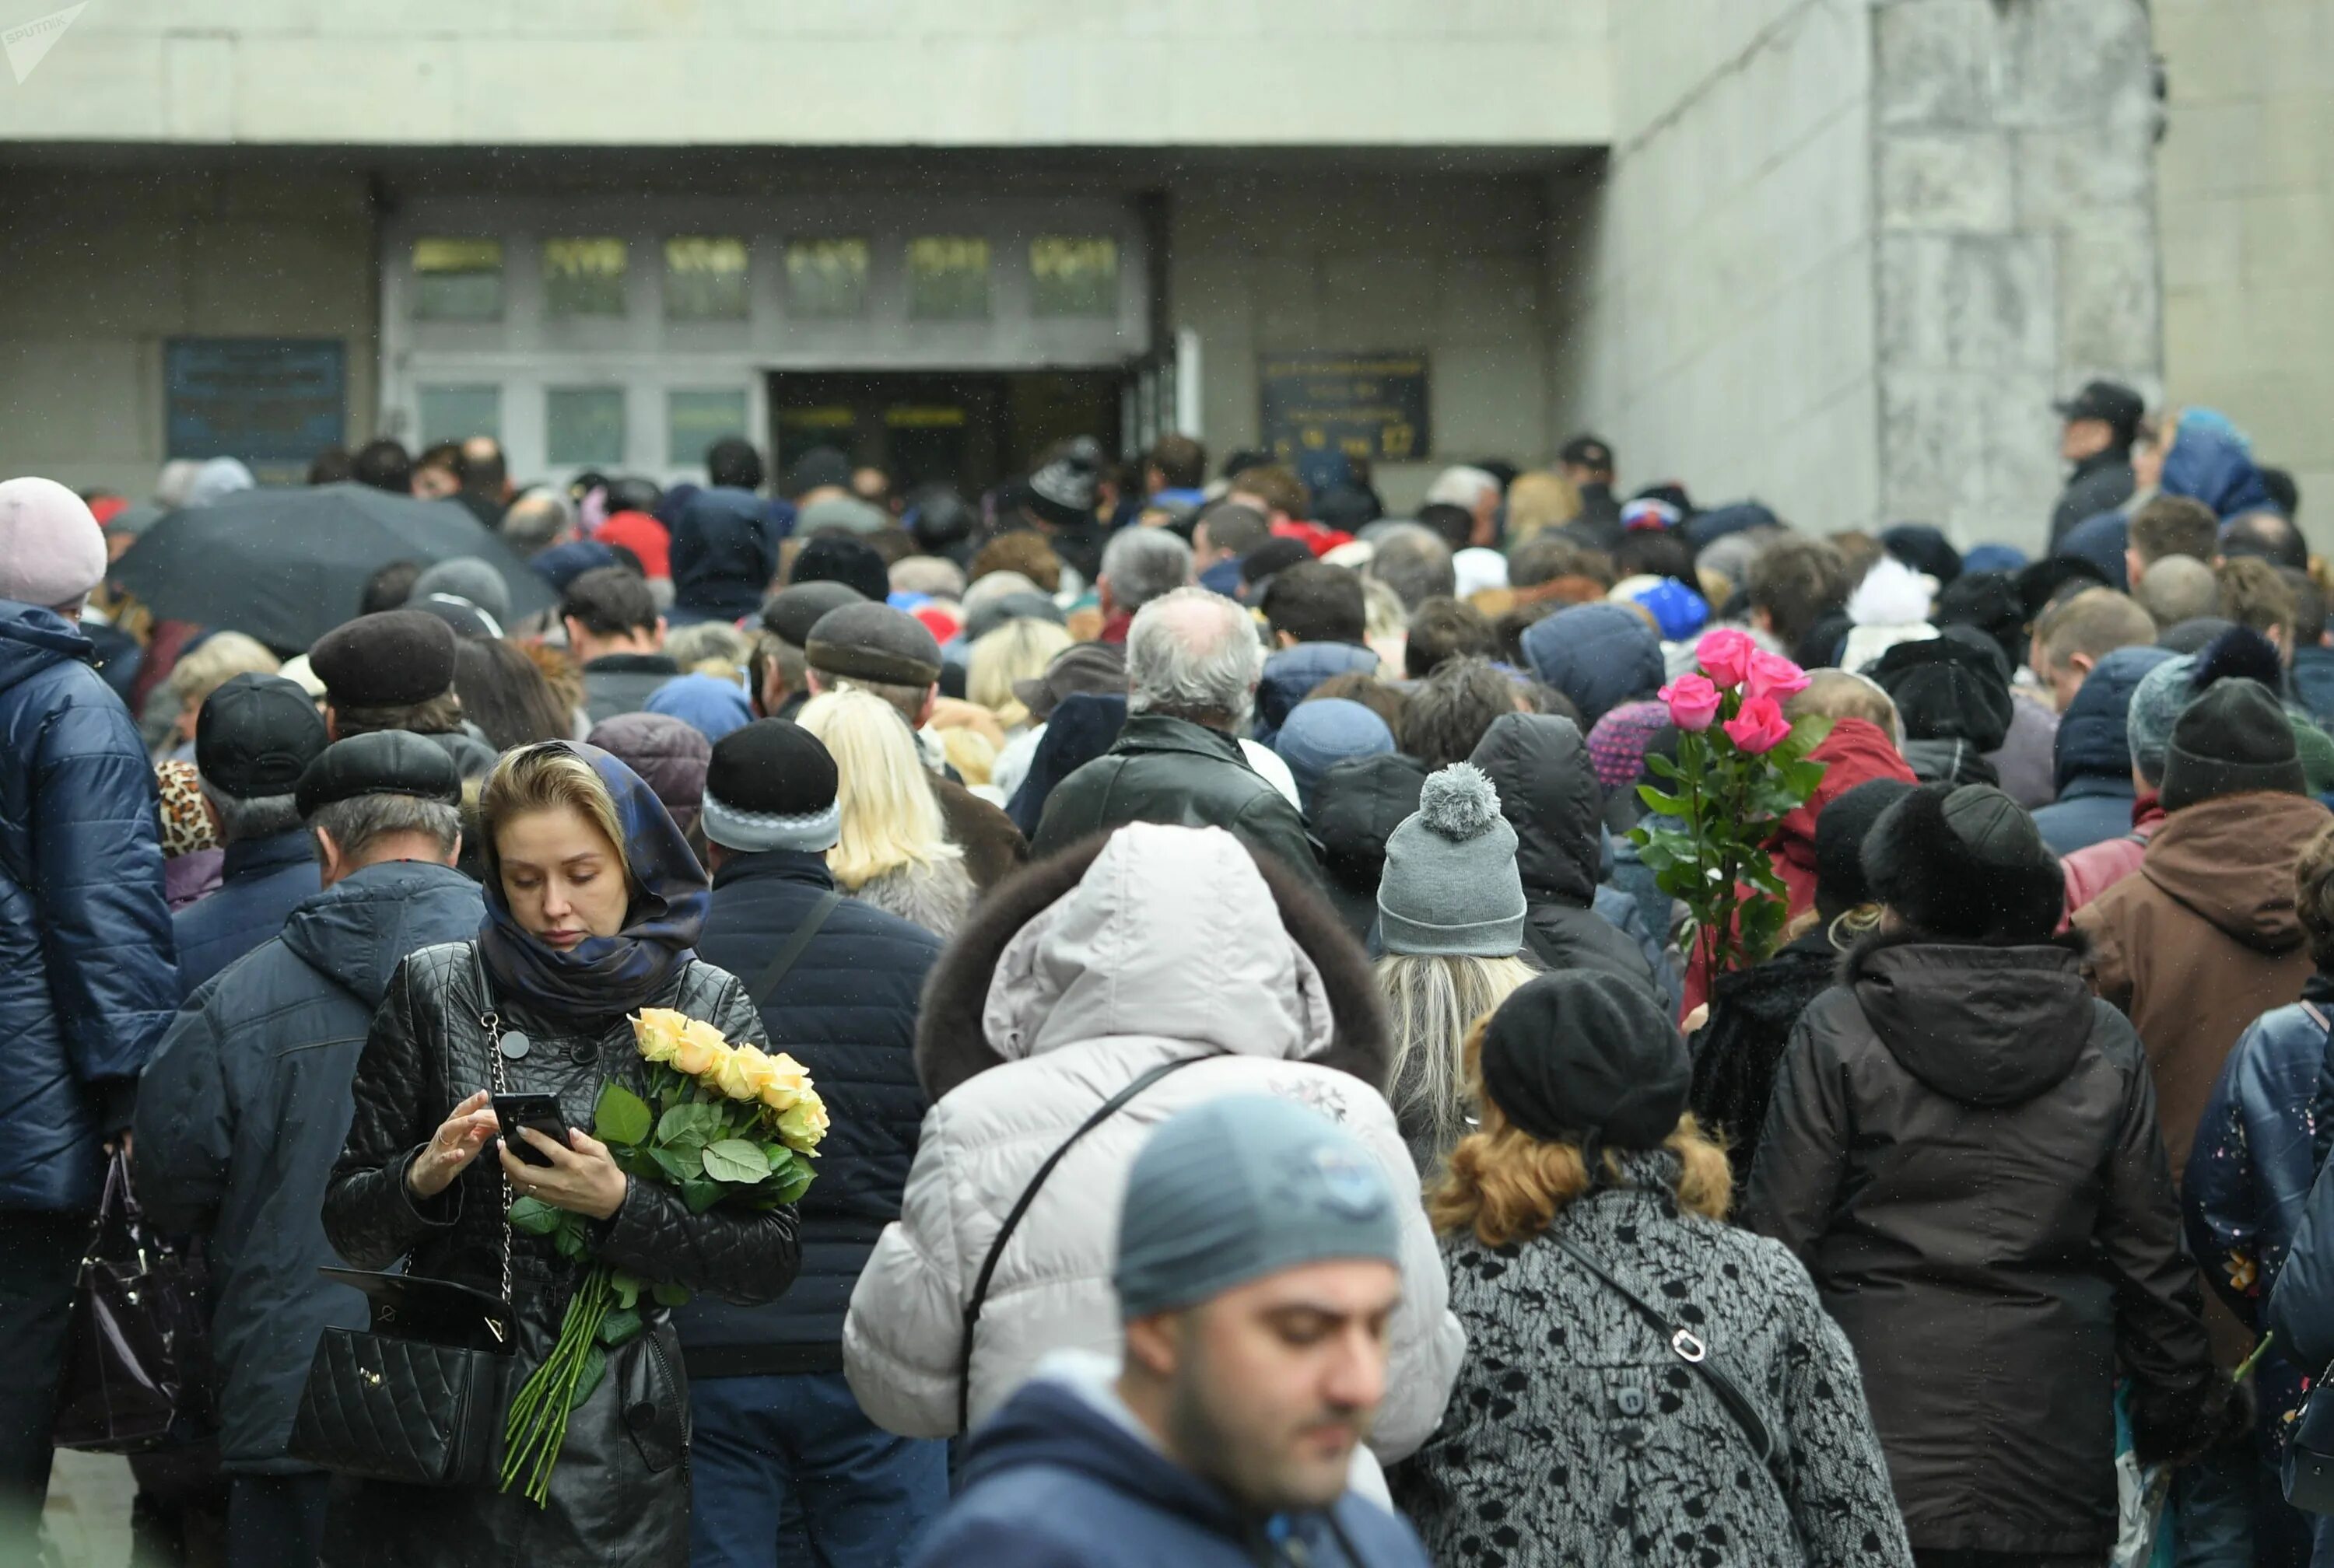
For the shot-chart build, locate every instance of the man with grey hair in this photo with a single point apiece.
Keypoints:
(1138, 565)
(1413, 560)
(247, 1102)
(536, 521)
(255, 735)
(1193, 664)
(1474, 491)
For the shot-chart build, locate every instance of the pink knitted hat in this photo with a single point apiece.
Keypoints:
(52, 551)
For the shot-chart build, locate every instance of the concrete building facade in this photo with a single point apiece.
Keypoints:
(1838, 253)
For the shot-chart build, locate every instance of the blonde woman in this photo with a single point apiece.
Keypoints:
(1644, 1384)
(1451, 918)
(202, 670)
(1019, 650)
(894, 852)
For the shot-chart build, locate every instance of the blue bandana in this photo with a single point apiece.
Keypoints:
(618, 974)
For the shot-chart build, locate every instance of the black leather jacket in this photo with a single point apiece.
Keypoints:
(620, 1490)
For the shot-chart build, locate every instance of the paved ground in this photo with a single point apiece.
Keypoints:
(89, 1511)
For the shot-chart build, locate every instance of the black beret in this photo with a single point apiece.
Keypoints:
(254, 736)
(1581, 1057)
(790, 612)
(393, 659)
(834, 558)
(875, 643)
(389, 762)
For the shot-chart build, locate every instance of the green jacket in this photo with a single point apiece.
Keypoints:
(1172, 771)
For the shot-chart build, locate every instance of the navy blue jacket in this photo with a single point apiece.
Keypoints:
(847, 1012)
(1052, 1482)
(2090, 810)
(244, 1109)
(88, 971)
(1290, 675)
(2313, 679)
(1598, 655)
(265, 879)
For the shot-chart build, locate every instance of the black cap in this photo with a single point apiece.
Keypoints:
(254, 736)
(837, 558)
(387, 762)
(772, 767)
(2110, 401)
(1586, 451)
(1099, 667)
(393, 659)
(875, 643)
(1582, 1057)
(1840, 832)
(790, 612)
(820, 468)
(2232, 740)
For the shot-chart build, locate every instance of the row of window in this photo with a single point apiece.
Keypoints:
(459, 279)
(585, 426)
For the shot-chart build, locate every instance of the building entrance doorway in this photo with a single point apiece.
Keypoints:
(971, 430)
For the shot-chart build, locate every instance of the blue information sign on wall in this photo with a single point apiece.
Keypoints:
(266, 401)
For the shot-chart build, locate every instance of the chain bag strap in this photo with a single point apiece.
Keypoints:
(418, 1395)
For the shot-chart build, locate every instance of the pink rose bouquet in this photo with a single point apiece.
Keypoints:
(1742, 768)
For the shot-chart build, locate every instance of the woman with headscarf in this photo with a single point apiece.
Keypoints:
(593, 903)
(1643, 1384)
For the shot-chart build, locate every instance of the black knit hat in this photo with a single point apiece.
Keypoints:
(1840, 832)
(1965, 863)
(1951, 687)
(835, 558)
(393, 659)
(875, 643)
(254, 736)
(771, 785)
(2233, 739)
(790, 612)
(1582, 1057)
(1989, 601)
(387, 762)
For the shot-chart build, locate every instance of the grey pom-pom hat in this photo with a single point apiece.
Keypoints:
(1450, 888)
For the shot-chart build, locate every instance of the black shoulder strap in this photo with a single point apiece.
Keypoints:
(1690, 1349)
(1108, 1109)
(783, 961)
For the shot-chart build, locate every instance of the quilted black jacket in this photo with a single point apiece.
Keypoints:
(847, 1012)
(619, 1491)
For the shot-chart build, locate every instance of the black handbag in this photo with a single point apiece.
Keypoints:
(416, 1396)
(140, 1375)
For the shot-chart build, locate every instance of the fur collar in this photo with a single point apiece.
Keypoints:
(952, 1047)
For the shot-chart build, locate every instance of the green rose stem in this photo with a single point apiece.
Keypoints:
(537, 1426)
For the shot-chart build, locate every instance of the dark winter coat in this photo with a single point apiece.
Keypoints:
(243, 1113)
(2099, 483)
(1356, 807)
(1598, 655)
(88, 978)
(1962, 1149)
(2313, 678)
(1752, 1013)
(1172, 771)
(265, 879)
(1053, 1481)
(617, 683)
(2204, 940)
(847, 1012)
(1544, 1456)
(1290, 675)
(1549, 793)
(2024, 759)
(619, 1491)
(724, 555)
(993, 847)
(2250, 1169)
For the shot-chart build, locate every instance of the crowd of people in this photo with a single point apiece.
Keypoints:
(1274, 1113)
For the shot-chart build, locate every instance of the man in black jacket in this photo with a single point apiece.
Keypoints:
(1192, 666)
(616, 638)
(778, 1435)
(2102, 422)
(244, 1106)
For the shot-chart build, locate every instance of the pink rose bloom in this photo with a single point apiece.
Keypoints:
(1694, 702)
(1725, 656)
(1773, 675)
(1760, 727)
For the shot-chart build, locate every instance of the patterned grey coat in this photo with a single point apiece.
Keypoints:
(1576, 1437)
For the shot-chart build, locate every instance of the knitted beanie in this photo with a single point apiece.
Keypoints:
(2232, 740)
(2156, 703)
(1450, 887)
(52, 551)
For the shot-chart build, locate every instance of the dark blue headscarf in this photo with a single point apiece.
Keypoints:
(607, 975)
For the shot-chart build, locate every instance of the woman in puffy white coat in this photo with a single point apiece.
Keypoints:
(1067, 984)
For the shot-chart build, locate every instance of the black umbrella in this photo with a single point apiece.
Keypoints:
(286, 566)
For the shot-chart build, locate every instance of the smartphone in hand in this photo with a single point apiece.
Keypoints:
(540, 1112)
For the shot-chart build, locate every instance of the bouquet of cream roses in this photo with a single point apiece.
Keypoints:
(723, 1123)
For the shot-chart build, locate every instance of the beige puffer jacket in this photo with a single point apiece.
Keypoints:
(1064, 989)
